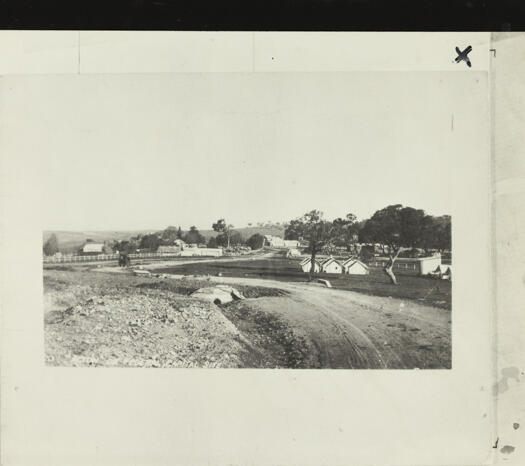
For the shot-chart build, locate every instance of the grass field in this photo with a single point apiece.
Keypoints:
(422, 289)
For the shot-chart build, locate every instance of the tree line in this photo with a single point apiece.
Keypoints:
(226, 237)
(394, 228)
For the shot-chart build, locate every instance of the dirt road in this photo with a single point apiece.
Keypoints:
(351, 330)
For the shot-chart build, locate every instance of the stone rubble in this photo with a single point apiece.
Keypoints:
(113, 325)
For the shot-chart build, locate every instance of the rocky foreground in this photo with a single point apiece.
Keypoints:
(101, 319)
(114, 318)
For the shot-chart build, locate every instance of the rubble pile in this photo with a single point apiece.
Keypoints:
(95, 318)
(146, 328)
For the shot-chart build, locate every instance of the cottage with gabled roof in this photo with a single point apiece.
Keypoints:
(331, 265)
(93, 248)
(353, 266)
(306, 265)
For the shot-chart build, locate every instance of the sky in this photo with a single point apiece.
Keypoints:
(125, 152)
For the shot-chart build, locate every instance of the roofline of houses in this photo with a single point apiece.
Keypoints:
(331, 259)
(347, 263)
(353, 258)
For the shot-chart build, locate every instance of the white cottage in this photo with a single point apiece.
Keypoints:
(353, 266)
(274, 241)
(168, 250)
(410, 266)
(331, 265)
(306, 265)
(93, 248)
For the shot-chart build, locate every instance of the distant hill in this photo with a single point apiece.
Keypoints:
(70, 241)
(246, 232)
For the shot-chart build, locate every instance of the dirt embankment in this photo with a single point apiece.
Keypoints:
(273, 341)
(94, 319)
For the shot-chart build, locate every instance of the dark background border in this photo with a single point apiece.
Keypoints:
(264, 15)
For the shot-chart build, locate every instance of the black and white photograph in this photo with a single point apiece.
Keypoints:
(260, 248)
(230, 220)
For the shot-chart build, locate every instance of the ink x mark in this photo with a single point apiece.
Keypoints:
(463, 56)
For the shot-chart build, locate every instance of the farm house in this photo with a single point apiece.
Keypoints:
(278, 242)
(331, 265)
(352, 266)
(408, 265)
(306, 265)
(93, 248)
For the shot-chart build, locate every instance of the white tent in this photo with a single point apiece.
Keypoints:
(331, 265)
(354, 266)
(306, 265)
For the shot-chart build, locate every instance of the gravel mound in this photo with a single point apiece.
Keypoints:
(93, 318)
(151, 329)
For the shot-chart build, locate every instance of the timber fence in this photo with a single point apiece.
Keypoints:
(106, 257)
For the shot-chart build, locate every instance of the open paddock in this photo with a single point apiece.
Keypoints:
(426, 290)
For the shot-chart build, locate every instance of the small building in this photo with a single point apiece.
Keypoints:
(331, 265)
(194, 251)
(306, 265)
(274, 241)
(293, 252)
(168, 250)
(278, 242)
(408, 265)
(93, 248)
(353, 266)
